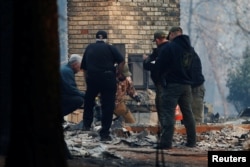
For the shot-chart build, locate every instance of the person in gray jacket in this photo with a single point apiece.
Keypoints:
(71, 97)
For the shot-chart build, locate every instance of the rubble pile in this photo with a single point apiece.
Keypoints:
(226, 139)
(87, 143)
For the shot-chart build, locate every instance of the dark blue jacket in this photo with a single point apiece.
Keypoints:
(68, 83)
(175, 61)
(100, 57)
(149, 64)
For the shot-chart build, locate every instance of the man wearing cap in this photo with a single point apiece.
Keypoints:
(174, 64)
(71, 96)
(198, 89)
(149, 61)
(98, 63)
(149, 65)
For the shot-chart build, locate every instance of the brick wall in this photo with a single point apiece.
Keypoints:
(129, 22)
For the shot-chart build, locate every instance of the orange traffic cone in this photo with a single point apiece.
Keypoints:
(178, 114)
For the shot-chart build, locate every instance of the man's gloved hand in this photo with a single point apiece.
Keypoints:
(137, 99)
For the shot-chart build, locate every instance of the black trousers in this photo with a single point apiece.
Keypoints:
(70, 103)
(103, 84)
(170, 96)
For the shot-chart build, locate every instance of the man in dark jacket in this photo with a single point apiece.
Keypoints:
(175, 66)
(149, 65)
(71, 96)
(160, 39)
(100, 72)
(198, 89)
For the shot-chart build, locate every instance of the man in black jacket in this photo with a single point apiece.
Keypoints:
(198, 89)
(100, 72)
(174, 64)
(160, 39)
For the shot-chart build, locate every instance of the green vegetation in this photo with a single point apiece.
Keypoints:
(238, 83)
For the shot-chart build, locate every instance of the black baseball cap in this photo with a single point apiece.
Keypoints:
(174, 29)
(159, 34)
(101, 34)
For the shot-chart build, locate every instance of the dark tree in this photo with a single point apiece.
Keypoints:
(31, 70)
(238, 83)
(6, 26)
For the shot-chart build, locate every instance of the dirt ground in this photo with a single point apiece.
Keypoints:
(146, 158)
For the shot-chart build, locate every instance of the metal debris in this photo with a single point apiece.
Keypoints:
(87, 144)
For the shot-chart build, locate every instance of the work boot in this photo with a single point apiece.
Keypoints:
(106, 138)
(190, 144)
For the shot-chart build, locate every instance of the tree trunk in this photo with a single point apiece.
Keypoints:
(36, 134)
(5, 75)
